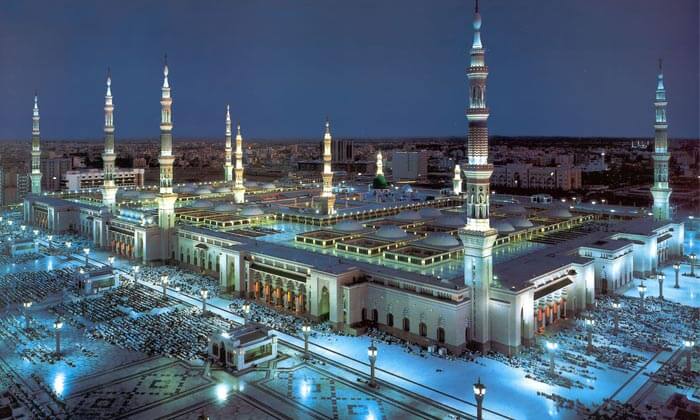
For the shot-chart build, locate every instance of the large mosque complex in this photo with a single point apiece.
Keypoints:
(467, 269)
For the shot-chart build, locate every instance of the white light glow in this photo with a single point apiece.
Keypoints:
(222, 392)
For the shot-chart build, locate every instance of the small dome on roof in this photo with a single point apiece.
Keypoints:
(130, 194)
(202, 204)
(348, 226)
(560, 213)
(452, 221)
(203, 190)
(520, 222)
(146, 196)
(223, 207)
(430, 213)
(391, 232)
(502, 226)
(380, 183)
(250, 184)
(222, 189)
(269, 186)
(252, 211)
(187, 190)
(407, 215)
(407, 189)
(441, 239)
(513, 209)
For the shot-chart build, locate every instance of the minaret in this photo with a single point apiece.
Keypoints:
(36, 149)
(228, 166)
(660, 190)
(327, 194)
(109, 188)
(457, 181)
(238, 187)
(380, 164)
(166, 198)
(477, 236)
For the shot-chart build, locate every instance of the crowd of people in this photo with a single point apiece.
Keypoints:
(180, 332)
(35, 286)
(113, 303)
(181, 280)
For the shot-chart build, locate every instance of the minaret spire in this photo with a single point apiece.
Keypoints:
(380, 164)
(327, 193)
(660, 191)
(238, 186)
(457, 181)
(228, 166)
(36, 148)
(477, 236)
(166, 197)
(109, 188)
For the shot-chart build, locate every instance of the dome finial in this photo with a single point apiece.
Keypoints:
(476, 7)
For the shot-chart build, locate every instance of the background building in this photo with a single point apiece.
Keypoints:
(409, 166)
(53, 170)
(93, 178)
(564, 178)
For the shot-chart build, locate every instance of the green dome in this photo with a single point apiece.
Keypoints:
(379, 183)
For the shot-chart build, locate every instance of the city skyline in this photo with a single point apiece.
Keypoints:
(395, 77)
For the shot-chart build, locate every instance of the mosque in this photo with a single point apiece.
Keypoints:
(466, 269)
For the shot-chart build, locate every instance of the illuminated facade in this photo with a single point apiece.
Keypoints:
(239, 186)
(166, 196)
(327, 196)
(36, 149)
(109, 189)
(228, 166)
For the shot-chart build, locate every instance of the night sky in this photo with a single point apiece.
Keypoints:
(375, 67)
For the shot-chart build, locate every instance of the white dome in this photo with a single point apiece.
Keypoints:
(441, 239)
(451, 221)
(514, 209)
(130, 194)
(430, 213)
(202, 204)
(251, 184)
(348, 226)
(223, 207)
(559, 213)
(407, 215)
(187, 189)
(520, 222)
(502, 226)
(252, 211)
(146, 196)
(222, 189)
(269, 186)
(391, 232)
(407, 189)
(203, 190)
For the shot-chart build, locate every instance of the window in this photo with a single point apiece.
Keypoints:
(441, 335)
(390, 320)
(422, 329)
(406, 324)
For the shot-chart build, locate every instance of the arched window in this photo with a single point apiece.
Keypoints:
(423, 329)
(406, 324)
(440, 335)
(364, 314)
(390, 320)
(375, 315)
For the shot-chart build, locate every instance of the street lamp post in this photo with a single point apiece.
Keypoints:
(372, 354)
(306, 329)
(136, 273)
(246, 311)
(590, 322)
(164, 282)
(677, 269)
(26, 306)
(49, 238)
(692, 263)
(57, 325)
(616, 316)
(642, 289)
(661, 277)
(479, 392)
(110, 260)
(552, 347)
(204, 293)
(87, 252)
(688, 344)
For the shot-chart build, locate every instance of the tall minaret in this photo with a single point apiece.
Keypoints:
(327, 194)
(36, 149)
(238, 187)
(109, 188)
(166, 197)
(380, 164)
(660, 190)
(477, 236)
(228, 166)
(457, 181)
